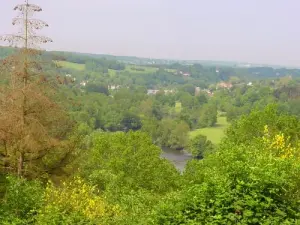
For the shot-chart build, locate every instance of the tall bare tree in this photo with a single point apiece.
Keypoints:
(32, 125)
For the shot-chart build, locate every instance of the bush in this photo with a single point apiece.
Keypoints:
(199, 145)
(21, 201)
(128, 160)
(255, 183)
(75, 202)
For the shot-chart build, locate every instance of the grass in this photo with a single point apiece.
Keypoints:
(129, 68)
(171, 70)
(178, 107)
(70, 65)
(140, 69)
(112, 73)
(214, 134)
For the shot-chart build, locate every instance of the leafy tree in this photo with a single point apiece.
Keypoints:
(232, 113)
(173, 134)
(185, 115)
(202, 99)
(157, 111)
(189, 88)
(128, 160)
(151, 127)
(131, 121)
(199, 145)
(95, 87)
(251, 126)
(146, 107)
(208, 116)
(187, 100)
(179, 135)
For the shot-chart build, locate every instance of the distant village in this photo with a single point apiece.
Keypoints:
(198, 90)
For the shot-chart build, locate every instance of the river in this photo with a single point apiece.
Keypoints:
(178, 158)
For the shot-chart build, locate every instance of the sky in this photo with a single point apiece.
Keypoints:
(257, 31)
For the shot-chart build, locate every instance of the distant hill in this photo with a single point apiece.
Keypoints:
(5, 51)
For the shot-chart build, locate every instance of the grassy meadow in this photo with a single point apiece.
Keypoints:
(214, 134)
(178, 107)
(140, 69)
(129, 68)
(70, 65)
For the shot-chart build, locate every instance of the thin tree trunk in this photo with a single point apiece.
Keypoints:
(20, 165)
(21, 157)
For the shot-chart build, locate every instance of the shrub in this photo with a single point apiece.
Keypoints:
(75, 202)
(255, 183)
(21, 201)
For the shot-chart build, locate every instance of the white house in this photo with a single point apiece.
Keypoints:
(83, 83)
(152, 92)
(114, 87)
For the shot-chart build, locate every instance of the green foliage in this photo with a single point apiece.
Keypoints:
(187, 100)
(199, 145)
(251, 127)
(75, 202)
(252, 177)
(202, 99)
(131, 121)
(6, 51)
(95, 87)
(189, 88)
(128, 160)
(237, 185)
(179, 136)
(135, 205)
(173, 134)
(247, 182)
(21, 201)
(208, 116)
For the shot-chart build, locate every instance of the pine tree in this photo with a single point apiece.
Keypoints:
(32, 125)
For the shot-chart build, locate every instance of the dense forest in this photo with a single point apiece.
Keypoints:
(82, 137)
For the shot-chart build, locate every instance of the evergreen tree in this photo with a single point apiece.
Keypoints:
(32, 125)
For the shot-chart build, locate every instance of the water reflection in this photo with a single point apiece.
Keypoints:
(178, 158)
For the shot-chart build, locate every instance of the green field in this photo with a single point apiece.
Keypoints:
(70, 65)
(140, 69)
(178, 107)
(171, 70)
(112, 73)
(129, 68)
(214, 134)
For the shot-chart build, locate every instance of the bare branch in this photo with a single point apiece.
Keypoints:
(28, 7)
(26, 35)
(34, 23)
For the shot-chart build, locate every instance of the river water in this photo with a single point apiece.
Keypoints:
(178, 158)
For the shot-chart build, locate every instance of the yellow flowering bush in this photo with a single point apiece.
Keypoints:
(75, 202)
(278, 144)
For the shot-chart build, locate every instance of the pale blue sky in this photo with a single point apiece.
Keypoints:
(261, 31)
